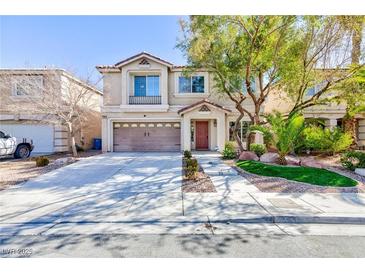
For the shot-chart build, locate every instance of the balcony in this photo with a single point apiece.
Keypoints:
(144, 100)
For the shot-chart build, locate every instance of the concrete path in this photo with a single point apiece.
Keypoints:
(140, 193)
(239, 200)
(114, 187)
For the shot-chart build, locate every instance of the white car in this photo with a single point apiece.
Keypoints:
(19, 148)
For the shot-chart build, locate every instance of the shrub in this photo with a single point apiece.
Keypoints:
(339, 141)
(314, 139)
(259, 149)
(187, 154)
(229, 151)
(191, 168)
(41, 161)
(79, 148)
(326, 140)
(353, 159)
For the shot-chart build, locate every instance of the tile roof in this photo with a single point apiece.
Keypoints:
(204, 101)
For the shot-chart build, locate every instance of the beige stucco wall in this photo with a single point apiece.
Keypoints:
(112, 89)
(12, 107)
(118, 86)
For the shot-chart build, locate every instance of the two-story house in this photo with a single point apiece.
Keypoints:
(150, 105)
(19, 116)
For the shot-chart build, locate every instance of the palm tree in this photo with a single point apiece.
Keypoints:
(285, 132)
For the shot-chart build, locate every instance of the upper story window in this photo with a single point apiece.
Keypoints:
(317, 88)
(27, 85)
(193, 84)
(148, 85)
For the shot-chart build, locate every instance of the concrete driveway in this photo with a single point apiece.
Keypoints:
(112, 187)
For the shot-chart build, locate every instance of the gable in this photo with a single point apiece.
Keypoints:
(144, 59)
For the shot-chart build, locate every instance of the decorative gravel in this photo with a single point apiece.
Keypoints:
(281, 185)
(203, 183)
(16, 171)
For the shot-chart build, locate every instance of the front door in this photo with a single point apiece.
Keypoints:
(202, 141)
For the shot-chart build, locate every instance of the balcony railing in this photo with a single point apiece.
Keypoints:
(144, 100)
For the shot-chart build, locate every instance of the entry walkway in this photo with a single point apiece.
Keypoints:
(238, 200)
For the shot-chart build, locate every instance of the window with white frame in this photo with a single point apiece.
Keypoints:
(147, 85)
(27, 85)
(242, 131)
(191, 84)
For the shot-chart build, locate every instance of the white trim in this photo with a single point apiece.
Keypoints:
(144, 108)
(145, 56)
(210, 105)
(146, 76)
(176, 92)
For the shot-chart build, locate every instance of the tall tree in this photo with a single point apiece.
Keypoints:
(323, 61)
(238, 50)
(353, 90)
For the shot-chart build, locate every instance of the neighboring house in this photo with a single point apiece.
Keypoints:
(48, 135)
(149, 105)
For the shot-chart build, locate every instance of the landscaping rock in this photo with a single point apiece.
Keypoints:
(311, 162)
(360, 171)
(269, 157)
(64, 161)
(248, 155)
(292, 160)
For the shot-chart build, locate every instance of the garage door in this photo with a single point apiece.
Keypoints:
(42, 135)
(146, 136)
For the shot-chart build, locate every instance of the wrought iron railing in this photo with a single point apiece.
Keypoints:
(144, 100)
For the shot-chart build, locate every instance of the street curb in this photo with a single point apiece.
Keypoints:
(288, 219)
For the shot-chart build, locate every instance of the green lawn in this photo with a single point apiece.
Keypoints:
(310, 175)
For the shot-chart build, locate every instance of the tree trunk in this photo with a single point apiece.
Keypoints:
(356, 44)
(72, 137)
(236, 135)
(350, 126)
(282, 160)
(252, 135)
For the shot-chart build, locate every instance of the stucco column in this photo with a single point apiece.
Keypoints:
(221, 132)
(331, 123)
(104, 134)
(186, 133)
(259, 138)
(164, 87)
(125, 87)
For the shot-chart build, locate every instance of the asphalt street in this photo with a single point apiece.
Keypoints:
(168, 245)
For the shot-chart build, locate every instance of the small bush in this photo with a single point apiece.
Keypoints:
(79, 148)
(229, 151)
(187, 154)
(353, 159)
(326, 140)
(339, 140)
(259, 149)
(191, 168)
(41, 161)
(314, 139)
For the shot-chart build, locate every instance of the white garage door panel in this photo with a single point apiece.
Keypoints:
(42, 135)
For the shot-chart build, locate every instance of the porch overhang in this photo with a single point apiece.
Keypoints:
(201, 104)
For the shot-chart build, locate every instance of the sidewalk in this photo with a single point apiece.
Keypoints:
(237, 200)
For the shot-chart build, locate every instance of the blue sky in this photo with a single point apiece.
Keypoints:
(78, 43)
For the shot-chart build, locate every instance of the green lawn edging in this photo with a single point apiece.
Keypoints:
(310, 175)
